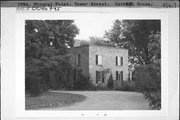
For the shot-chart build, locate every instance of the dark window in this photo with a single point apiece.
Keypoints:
(99, 77)
(102, 77)
(116, 75)
(78, 59)
(121, 60)
(121, 75)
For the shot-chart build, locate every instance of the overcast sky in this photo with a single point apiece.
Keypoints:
(92, 27)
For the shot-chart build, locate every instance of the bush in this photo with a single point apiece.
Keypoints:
(154, 99)
(35, 87)
(82, 83)
(38, 71)
(148, 80)
(110, 82)
(35, 78)
(127, 87)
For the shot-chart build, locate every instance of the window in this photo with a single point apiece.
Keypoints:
(119, 75)
(98, 59)
(78, 61)
(99, 77)
(119, 61)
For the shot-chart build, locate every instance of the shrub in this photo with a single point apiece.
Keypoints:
(110, 82)
(35, 86)
(154, 99)
(148, 80)
(82, 83)
(35, 78)
(38, 72)
(127, 87)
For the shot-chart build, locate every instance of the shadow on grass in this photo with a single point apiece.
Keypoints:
(52, 100)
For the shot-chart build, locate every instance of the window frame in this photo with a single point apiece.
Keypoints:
(97, 60)
(119, 75)
(119, 61)
(99, 77)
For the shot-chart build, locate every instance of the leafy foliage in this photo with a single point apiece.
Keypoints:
(127, 86)
(57, 34)
(46, 43)
(148, 80)
(93, 40)
(154, 99)
(100, 41)
(82, 83)
(143, 40)
(140, 37)
(62, 73)
(110, 82)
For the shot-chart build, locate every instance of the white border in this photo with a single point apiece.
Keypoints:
(75, 14)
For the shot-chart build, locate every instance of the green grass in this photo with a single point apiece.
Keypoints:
(52, 100)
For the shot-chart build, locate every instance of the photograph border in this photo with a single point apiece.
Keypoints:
(77, 13)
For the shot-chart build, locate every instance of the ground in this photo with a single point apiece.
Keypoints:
(107, 100)
(52, 100)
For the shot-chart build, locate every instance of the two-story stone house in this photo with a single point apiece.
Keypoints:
(92, 60)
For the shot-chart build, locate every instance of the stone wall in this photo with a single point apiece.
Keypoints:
(109, 61)
(84, 58)
(88, 61)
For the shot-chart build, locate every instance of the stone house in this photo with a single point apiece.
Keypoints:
(99, 63)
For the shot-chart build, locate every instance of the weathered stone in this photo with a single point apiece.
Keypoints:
(88, 60)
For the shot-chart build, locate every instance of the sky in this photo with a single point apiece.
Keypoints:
(92, 27)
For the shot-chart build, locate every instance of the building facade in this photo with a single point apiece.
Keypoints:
(99, 63)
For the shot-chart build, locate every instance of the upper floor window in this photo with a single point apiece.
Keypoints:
(119, 61)
(78, 60)
(98, 59)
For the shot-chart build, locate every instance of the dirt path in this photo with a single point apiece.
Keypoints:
(108, 100)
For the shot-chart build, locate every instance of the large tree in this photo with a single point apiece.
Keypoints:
(141, 37)
(94, 40)
(51, 33)
(46, 43)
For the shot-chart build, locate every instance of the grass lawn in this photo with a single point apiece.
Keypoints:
(52, 100)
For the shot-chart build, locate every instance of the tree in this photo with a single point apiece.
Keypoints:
(93, 40)
(99, 41)
(46, 43)
(50, 33)
(141, 37)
